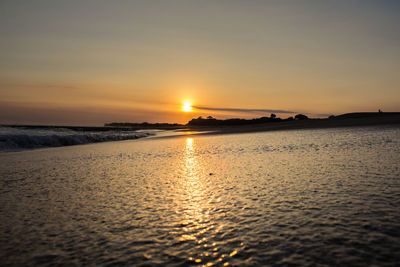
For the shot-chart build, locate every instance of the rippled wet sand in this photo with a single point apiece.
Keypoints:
(297, 197)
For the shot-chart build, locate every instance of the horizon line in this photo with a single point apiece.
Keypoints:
(250, 110)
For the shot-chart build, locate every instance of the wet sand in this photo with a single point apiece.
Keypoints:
(291, 198)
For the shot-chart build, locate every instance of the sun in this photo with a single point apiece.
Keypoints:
(187, 107)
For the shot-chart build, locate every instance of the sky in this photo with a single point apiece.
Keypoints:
(92, 62)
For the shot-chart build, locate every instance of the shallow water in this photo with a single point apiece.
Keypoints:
(23, 138)
(301, 197)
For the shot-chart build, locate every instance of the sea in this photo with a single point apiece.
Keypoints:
(20, 138)
(320, 197)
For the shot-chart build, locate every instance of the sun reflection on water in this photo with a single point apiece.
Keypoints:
(191, 165)
(198, 227)
(194, 188)
(195, 214)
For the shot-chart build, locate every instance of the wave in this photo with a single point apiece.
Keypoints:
(17, 139)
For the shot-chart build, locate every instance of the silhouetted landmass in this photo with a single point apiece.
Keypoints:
(212, 126)
(210, 121)
(358, 115)
(114, 126)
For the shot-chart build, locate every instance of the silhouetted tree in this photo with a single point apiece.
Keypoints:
(211, 121)
(301, 117)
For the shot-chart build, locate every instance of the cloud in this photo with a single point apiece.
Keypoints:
(244, 110)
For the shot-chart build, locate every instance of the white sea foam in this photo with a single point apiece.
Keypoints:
(16, 139)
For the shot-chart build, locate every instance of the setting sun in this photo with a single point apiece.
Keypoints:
(187, 107)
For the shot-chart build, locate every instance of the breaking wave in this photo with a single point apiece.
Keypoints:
(16, 139)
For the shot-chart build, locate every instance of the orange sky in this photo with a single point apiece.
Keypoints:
(87, 63)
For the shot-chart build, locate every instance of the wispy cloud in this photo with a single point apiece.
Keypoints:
(252, 110)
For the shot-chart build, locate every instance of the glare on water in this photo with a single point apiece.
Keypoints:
(296, 197)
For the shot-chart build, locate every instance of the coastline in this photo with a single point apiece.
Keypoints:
(297, 125)
(55, 136)
(344, 120)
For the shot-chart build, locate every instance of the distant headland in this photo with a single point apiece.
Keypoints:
(268, 123)
(211, 125)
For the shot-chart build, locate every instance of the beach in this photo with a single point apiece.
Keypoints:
(199, 133)
(22, 137)
(302, 197)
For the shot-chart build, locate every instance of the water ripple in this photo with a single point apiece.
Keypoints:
(316, 197)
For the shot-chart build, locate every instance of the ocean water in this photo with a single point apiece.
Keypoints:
(23, 138)
(301, 197)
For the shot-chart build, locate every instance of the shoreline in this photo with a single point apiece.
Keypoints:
(344, 120)
(283, 126)
(188, 131)
(297, 125)
(341, 121)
